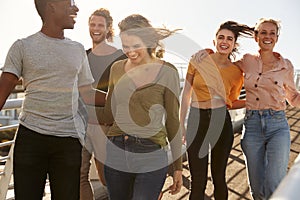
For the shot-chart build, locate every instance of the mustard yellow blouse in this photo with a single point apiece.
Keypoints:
(211, 81)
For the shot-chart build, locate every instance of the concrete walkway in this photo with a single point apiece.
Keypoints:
(236, 170)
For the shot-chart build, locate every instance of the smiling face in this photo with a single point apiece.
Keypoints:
(135, 49)
(98, 29)
(266, 36)
(65, 13)
(224, 41)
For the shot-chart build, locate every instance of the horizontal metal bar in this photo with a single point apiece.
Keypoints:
(4, 158)
(13, 104)
(11, 186)
(7, 143)
(13, 126)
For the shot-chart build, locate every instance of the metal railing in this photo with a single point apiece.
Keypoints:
(288, 188)
(5, 175)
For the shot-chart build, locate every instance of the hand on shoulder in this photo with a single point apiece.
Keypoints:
(201, 54)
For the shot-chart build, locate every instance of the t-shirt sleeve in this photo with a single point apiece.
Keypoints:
(191, 69)
(14, 59)
(85, 76)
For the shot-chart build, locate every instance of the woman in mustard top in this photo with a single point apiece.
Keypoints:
(269, 82)
(211, 87)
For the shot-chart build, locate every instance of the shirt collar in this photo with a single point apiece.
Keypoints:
(281, 63)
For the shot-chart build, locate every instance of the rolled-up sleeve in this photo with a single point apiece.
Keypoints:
(292, 95)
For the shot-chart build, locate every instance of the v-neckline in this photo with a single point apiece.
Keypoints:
(139, 83)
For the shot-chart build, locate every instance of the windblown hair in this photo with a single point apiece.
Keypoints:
(237, 30)
(109, 22)
(139, 26)
(269, 20)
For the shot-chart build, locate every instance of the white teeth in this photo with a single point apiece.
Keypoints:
(267, 42)
(96, 33)
(73, 16)
(224, 47)
(133, 57)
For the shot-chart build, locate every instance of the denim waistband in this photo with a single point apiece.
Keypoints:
(133, 140)
(264, 112)
(128, 138)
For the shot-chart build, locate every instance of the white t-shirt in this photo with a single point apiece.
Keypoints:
(52, 70)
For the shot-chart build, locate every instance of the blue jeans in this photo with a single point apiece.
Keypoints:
(209, 127)
(135, 168)
(36, 156)
(266, 146)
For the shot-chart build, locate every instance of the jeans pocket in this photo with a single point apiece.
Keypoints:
(279, 115)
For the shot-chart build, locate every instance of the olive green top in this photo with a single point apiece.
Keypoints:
(143, 106)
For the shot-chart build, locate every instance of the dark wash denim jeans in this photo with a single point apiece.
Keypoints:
(36, 156)
(209, 127)
(135, 168)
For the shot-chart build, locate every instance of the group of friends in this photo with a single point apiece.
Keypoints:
(123, 108)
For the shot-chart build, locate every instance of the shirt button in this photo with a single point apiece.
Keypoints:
(257, 99)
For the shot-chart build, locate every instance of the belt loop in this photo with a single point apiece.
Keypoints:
(260, 112)
(271, 112)
(136, 139)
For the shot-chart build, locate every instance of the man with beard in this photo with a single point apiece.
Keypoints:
(101, 56)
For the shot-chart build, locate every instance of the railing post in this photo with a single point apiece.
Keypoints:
(7, 172)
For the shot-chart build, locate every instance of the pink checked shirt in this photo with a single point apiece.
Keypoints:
(270, 89)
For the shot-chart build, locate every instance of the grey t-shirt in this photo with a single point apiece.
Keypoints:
(100, 67)
(52, 70)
